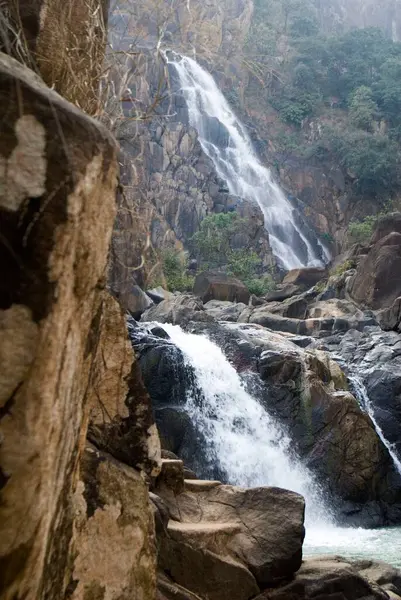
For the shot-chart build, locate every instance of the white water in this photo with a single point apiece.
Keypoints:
(250, 446)
(254, 451)
(236, 162)
(363, 398)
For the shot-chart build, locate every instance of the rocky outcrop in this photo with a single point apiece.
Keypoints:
(348, 14)
(213, 285)
(376, 284)
(115, 554)
(56, 165)
(220, 541)
(121, 420)
(306, 277)
(178, 310)
(333, 577)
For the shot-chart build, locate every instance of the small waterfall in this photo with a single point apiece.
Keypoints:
(225, 140)
(248, 444)
(361, 395)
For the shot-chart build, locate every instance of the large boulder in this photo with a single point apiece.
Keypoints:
(57, 166)
(306, 277)
(331, 578)
(178, 310)
(225, 311)
(214, 285)
(262, 527)
(376, 283)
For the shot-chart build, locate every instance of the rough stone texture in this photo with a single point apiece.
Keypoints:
(376, 283)
(390, 318)
(56, 166)
(115, 539)
(269, 528)
(307, 277)
(121, 419)
(178, 310)
(214, 285)
(328, 577)
(212, 27)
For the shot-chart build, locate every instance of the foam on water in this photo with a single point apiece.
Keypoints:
(253, 450)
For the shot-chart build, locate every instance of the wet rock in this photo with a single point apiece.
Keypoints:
(214, 285)
(328, 577)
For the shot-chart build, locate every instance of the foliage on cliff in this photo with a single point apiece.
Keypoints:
(350, 84)
(217, 244)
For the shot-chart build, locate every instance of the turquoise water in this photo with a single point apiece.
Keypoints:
(377, 544)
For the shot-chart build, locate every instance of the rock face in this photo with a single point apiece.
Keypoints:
(114, 530)
(228, 542)
(376, 284)
(213, 285)
(66, 359)
(56, 165)
(121, 420)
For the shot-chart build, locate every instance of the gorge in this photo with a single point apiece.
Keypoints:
(200, 308)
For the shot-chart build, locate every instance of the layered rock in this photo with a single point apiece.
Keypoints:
(218, 541)
(56, 165)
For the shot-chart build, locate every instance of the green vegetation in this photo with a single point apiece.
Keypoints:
(214, 246)
(343, 268)
(175, 270)
(351, 81)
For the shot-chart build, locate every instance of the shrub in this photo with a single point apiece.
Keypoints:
(175, 272)
(343, 268)
(360, 232)
(261, 286)
(212, 243)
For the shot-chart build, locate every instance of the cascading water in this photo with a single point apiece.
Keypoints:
(225, 140)
(253, 450)
(361, 394)
(248, 444)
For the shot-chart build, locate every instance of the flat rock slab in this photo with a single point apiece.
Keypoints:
(270, 520)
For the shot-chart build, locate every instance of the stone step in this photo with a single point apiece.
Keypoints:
(205, 535)
(200, 485)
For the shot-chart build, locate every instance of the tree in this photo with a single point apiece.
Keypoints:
(362, 108)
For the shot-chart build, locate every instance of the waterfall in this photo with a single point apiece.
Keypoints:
(362, 396)
(248, 444)
(225, 140)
